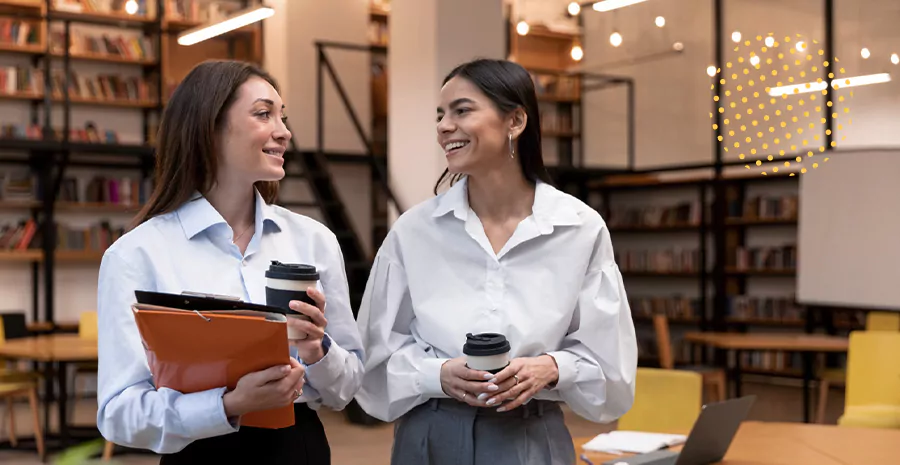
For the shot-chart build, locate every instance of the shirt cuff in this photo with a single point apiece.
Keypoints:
(202, 414)
(328, 367)
(565, 363)
(430, 377)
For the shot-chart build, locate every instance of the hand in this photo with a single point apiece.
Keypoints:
(310, 349)
(465, 384)
(522, 379)
(267, 389)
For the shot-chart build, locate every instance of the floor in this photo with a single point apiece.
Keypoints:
(356, 445)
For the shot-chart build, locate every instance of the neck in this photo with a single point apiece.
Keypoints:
(236, 205)
(501, 194)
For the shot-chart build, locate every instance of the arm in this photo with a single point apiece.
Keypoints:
(336, 378)
(598, 358)
(401, 372)
(131, 411)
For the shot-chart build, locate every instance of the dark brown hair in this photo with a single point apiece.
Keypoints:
(186, 155)
(509, 86)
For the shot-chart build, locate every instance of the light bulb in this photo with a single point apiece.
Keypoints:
(736, 36)
(131, 7)
(895, 59)
(574, 8)
(522, 28)
(770, 41)
(754, 60)
(865, 53)
(660, 21)
(615, 39)
(711, 71)
(801, 45)
(678, 46)
(577, 53)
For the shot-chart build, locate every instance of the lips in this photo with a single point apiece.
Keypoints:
(275, 152)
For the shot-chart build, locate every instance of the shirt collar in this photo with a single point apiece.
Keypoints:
(551, 207)
(197, 215)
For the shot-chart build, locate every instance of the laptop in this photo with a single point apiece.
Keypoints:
(709, 440)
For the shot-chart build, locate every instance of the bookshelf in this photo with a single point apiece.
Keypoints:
(82, 87)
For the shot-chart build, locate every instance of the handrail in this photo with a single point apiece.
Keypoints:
(324, 64)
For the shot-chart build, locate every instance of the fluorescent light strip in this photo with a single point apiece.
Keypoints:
(235, 22)
(609, 5)
(840, 82)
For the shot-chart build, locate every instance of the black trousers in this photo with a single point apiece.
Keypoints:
(302, 444)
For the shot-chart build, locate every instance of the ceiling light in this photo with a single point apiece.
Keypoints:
(131, 7)
(577, 53)
(522, 28)
(678, 46)
(865, 53)
(615, 39)
(574, 8)
(801, 45)
(754, 60)
(237, 21)
(711, 70)
(895, 59)
(839, 82)
(770, 41)
(660, 21)
(609, 5)
(736, 36)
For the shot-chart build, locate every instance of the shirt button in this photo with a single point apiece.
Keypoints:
(244, 262)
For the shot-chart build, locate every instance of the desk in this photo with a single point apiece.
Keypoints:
(807, 344)
(58, 350)
(763, 443)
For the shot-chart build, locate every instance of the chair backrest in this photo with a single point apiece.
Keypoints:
(12, 326)
(663, 341)
(87, 325)
(873, 369)
(883, 321)
(665, 401)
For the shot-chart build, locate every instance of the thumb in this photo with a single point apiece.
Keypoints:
(271, 374)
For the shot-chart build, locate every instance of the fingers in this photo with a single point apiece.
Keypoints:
(512, 393)
(518, 400)
(312, 331)
(466, 373)
(270, 374)
(507, 372)
(466, 397)
(314, 314)
(317, 297)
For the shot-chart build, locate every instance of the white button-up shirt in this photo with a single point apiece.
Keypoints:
(554, 288)
(190, 249)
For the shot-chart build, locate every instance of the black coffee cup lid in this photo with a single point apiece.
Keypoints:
(485, 344)
(292, 271)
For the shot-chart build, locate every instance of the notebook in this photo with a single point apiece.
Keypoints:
(617, 442)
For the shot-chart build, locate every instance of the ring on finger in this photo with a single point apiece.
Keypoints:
(516, 377)
(464, 395)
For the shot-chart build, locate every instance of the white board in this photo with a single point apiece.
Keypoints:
(849, 231)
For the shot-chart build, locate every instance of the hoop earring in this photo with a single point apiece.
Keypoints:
(512, 148)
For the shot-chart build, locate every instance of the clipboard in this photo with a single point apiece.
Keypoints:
(191, 351)
(205, 302)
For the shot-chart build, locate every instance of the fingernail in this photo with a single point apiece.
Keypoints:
(286, 369)
(482, 396)
(501, 409)
(488, 376)
(493, 387)
(491, 402)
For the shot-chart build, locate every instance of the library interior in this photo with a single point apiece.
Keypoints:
(714, 137)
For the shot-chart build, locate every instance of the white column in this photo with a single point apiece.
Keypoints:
(428, 38)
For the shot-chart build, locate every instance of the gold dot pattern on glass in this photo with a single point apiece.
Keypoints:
(799, 65)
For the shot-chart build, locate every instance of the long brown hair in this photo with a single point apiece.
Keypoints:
(186, 158)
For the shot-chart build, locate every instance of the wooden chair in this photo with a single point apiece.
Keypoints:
(714, 379)
(18, 383)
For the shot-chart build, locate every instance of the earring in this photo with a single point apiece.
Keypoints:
(512, 148)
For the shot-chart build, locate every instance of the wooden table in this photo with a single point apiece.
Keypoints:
(58, 350)
(763, 443)
(807, 344)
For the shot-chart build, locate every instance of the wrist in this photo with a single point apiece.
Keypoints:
(553, 365)
(233, 404)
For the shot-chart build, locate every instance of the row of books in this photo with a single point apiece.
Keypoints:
(766, 258)
(561, 87)
(19, 32)
(26, 234)
(648, 350)
(201, 11)
(106, 190)
(765, 207)
(683, 213)
(90, 133)
(100, 6)
(659, 261)
(104, 86)
(673, 307)
(768, 360)
(378, 33)
(553, 120)
(745, 307)
(20, 235)
(19, 80)
(120, 46)
(17, 186)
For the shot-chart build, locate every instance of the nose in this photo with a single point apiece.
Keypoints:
(282, 133)
(445, 125)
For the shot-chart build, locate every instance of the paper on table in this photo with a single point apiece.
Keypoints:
(632, 441)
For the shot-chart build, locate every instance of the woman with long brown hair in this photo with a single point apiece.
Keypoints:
(210, 226)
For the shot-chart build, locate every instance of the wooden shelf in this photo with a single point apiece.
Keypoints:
(765, 322)
(544, 33)
(558, 98)
(20, 96)
(656, 228)
(81, 100)
(100, 17)
(760, 221)
(79, 255)
(96, 207)
(379, 13)
(663, 274)
(20, 255)
(28, 49)
(97, 57)
(19, 204)
(763, 272)
(25, 4)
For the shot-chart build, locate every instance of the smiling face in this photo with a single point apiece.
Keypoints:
(470, 129)
(253, 138)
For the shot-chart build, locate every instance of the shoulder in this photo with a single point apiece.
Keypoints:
(136, 248)
(588, 216)
(302, 224)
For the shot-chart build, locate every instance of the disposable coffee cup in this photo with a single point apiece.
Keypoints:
(486, 352)
(286, 282)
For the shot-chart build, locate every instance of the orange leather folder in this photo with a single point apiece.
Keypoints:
(191, 351)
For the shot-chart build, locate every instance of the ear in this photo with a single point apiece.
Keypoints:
(518, 119)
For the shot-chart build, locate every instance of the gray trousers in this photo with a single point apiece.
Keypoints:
(448, 432)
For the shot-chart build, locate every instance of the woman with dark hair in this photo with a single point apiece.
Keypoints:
(501, 251)
(210, 227)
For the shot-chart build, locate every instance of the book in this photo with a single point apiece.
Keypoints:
(617, 442)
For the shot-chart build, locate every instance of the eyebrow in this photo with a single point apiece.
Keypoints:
(457, 103)
(265, 100)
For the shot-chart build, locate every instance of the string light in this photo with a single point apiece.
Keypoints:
(615, 39)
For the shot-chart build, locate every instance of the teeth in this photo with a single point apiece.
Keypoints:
(454, 145)
(270, 152)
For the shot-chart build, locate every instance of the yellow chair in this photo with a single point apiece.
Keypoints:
(87, 329)
(873, 380)
(18, 383)
(665, 401)
(883, 321)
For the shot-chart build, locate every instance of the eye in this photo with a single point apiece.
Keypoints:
(439, 117)
(264, 114)
(284, 119)
(460, 111)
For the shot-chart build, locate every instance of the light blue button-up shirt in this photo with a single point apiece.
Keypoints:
(190, 249)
